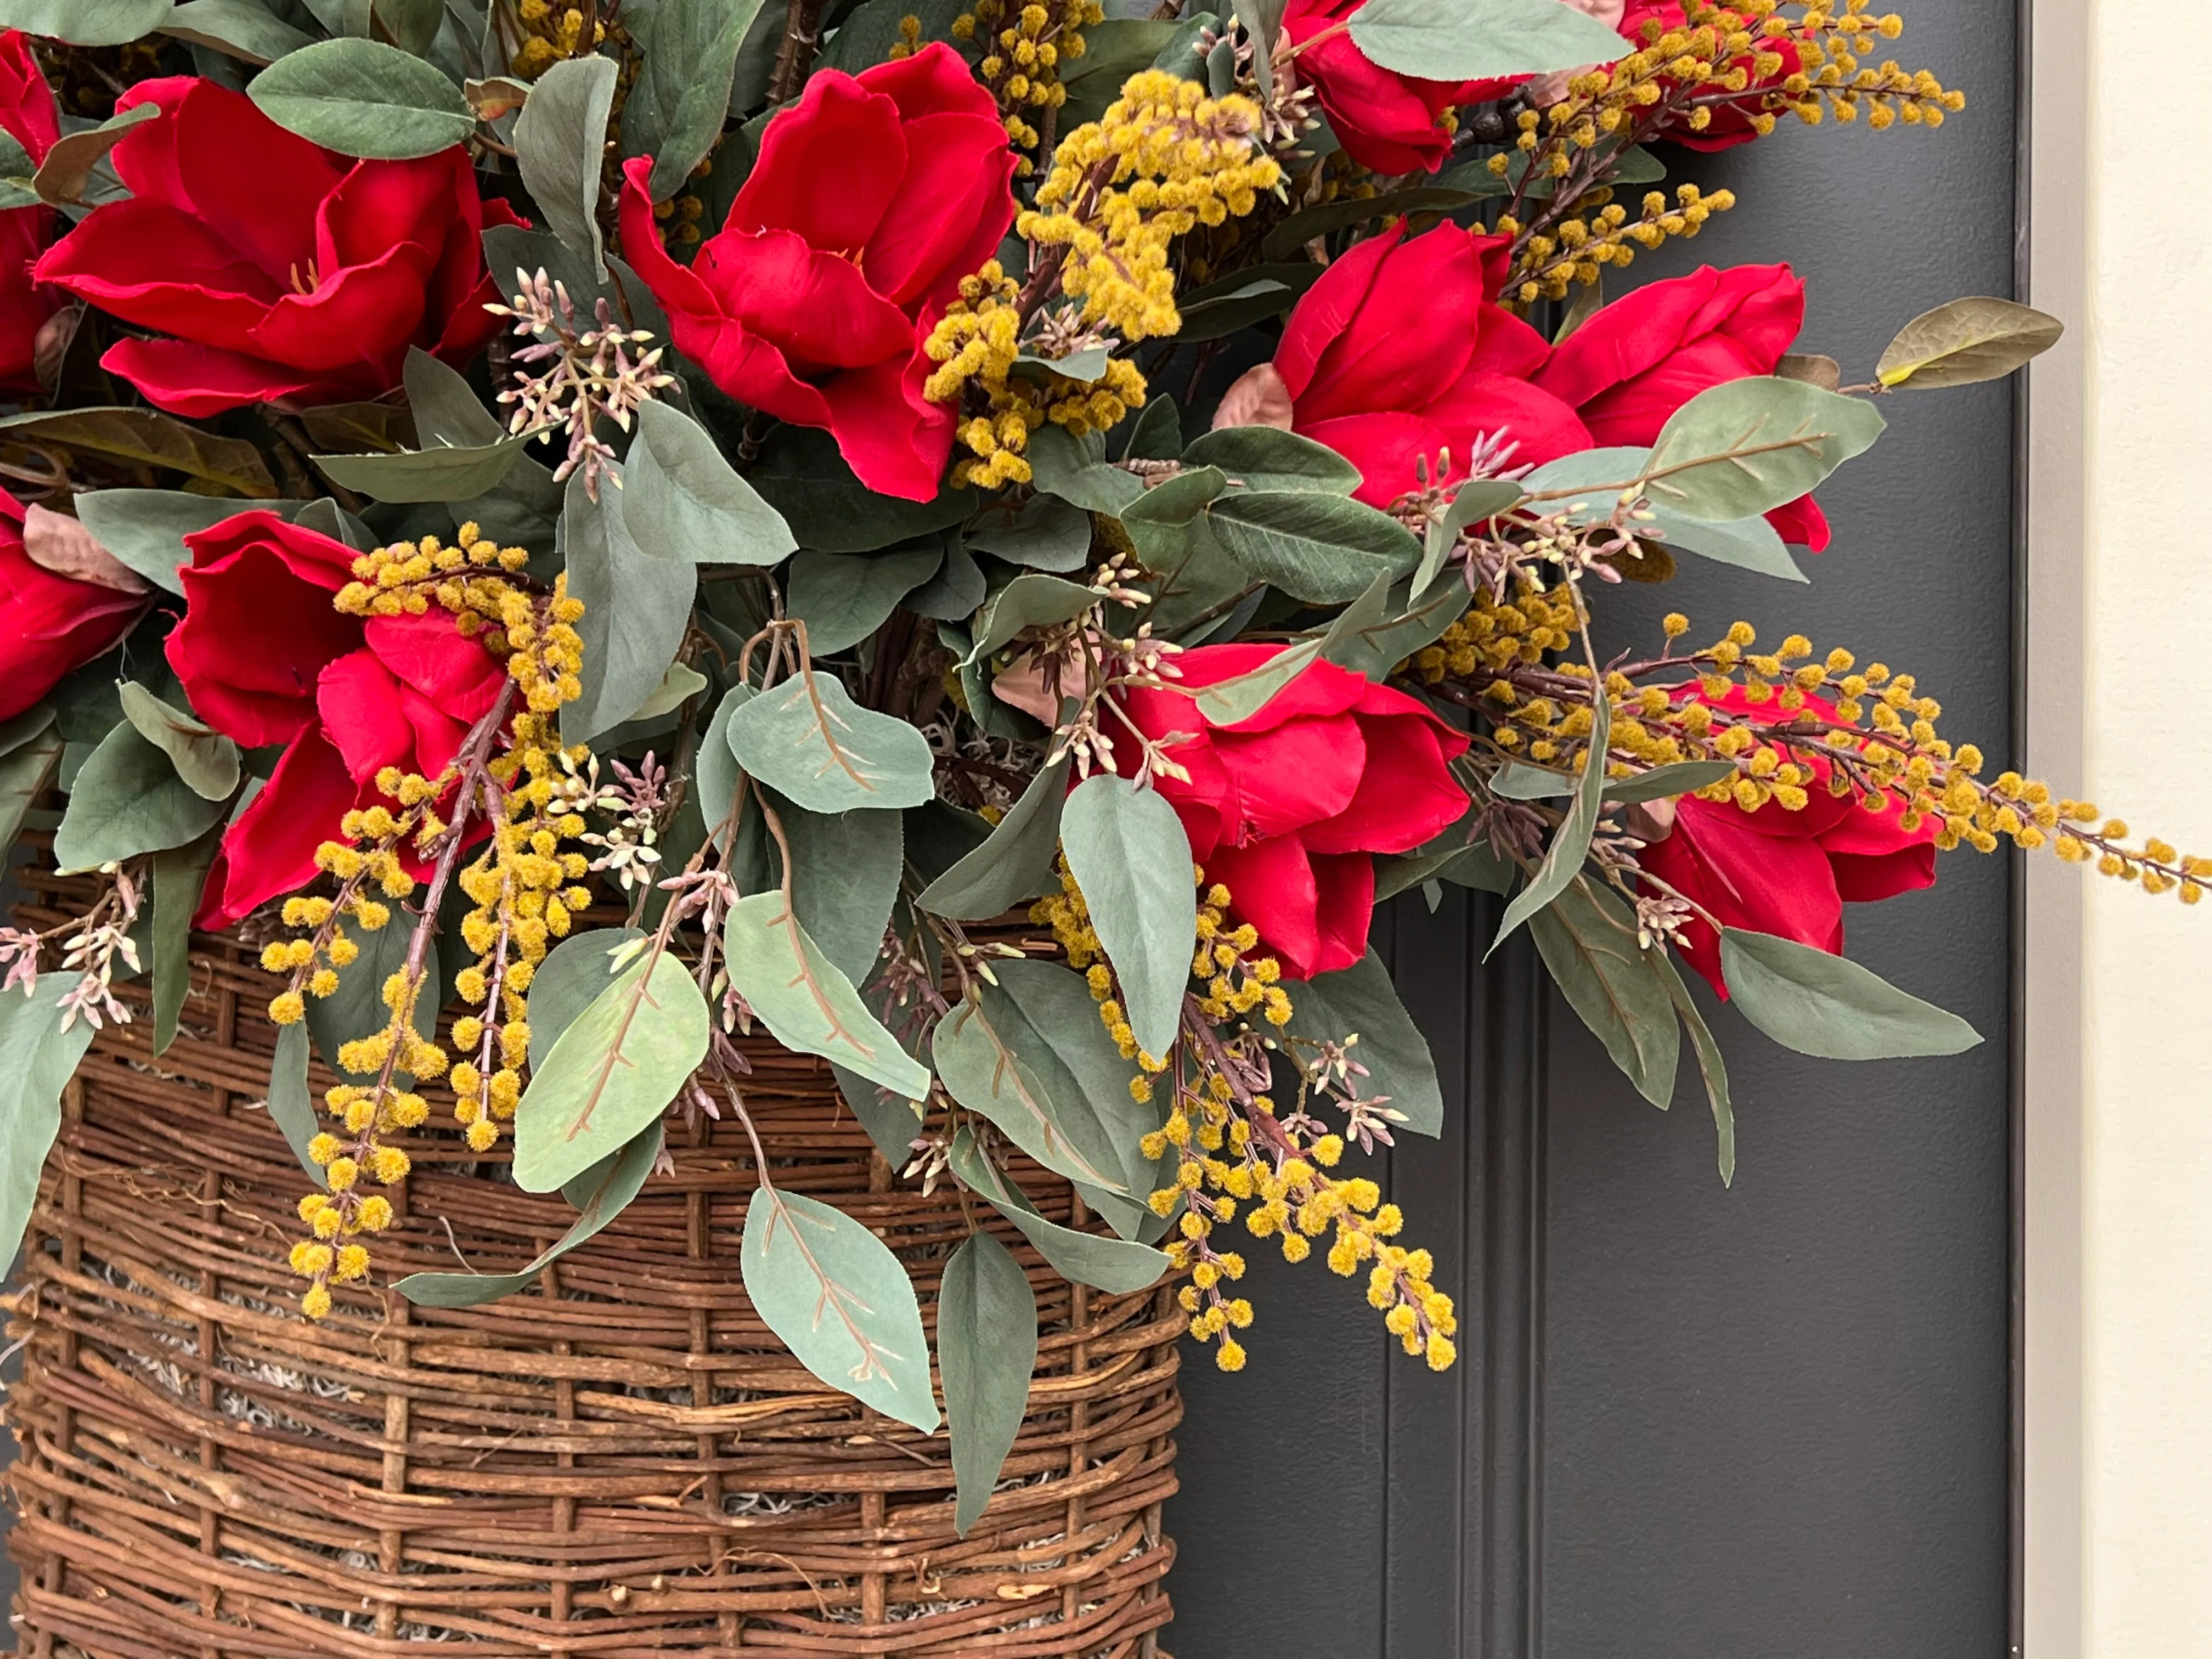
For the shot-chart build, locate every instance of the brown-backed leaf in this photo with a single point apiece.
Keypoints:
(58, 543)
(67, 168)
(1967, 341)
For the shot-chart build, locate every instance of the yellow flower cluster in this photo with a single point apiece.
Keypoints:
(1577, 249)
(407, 578)
(549, 34)
(1163, 158)
(1495, 633)
(1023, 49)
(681, 218)
(977, 343)
(521, 884)
(1068, 915)
(1236, 983)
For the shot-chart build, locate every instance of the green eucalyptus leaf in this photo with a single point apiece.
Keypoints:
(445, 405)
(678, 686)
(1029, 601)
(1518, 781)
(637, 606)
(676, 111)
(1116, 1266)
(716, 779)
(127, 800)
(994, 1062)
(1325, 549)
(1588, 941)
(1453, 41)
(844, 598)
(355, 1010)
(1234, 701)
(1128, 851)
(25, 771)
(238, 27)
(18, 174)
(1360, 999)
(1266, 458)
(560, 141)
(442, 473)
(146, 437)
(1665, 782)
(1711, 1066)
(1075, 469)
(1156, 433)
(1571, 841)
(1372, 636)
(1476, 500)
(681, 498)
(1749, 544)
(987, 1345)
(1048, 533)
(85, 23)
(600, 1194)
(1014, 864)
(845, 877)
(804, 1002)
(809, 740)
(1747, 446)
(65, 176)
(611, 1073)
(952, 594)
(179, 877)
(803, 477)
(146, 528)
(206, 760)
(291, 1107)
(1830, 1006)
(892, 1120)
(569, 979)
(841, 1301)
(37, 1059)
(362, 98)
(1287, 239)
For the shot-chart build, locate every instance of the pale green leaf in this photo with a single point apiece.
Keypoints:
(146, 528)
(1026, 602)
(1747, 446)
(637, 605)
(1588, 941)
(806, 738)
(612, 1071)
(986, 1345)
(1664, 782)
(676, 111)
(1127, 851)
(804, 1002)
(363, 97)
(127, 800)
(678, 686)
(1711, 1066)
(1015, 863)
(291, 1107)
(1571, 841)
(1476, 500)
(600, 1194)
(1361, 1000)
(1749, 544)
(203, 757)
(569, 979)
(355, 1010)
(994, 1062)
(85, 22)
(1046, 533)
(25, 770)
(1116, 1266)
(179, 877)
(1457, 40)
(1830, 1006)
(439, 474)
(684, 501)
(560, 141)
(845, 877)
(1268, 459)
(841, 1301)
(445, 408)
(844, 598)
(37, 1059)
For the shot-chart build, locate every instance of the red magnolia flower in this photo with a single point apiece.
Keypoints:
(265, 659)
(1286, 807)
(1731, 124)
(1642, 357)
(1773, 871)
(48, 623)
(1400, 352)
(871, 200)
(28, 115)
(1386, 121)
(283, 270)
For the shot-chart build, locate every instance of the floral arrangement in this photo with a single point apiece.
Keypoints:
(979, 538)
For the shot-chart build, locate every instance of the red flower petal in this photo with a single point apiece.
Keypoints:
(198, 381)
(437, 660)
(1406, 795)
(252, 643)
(952, 209)
(271, 849)
(1410, 338)
(358, 700)
(838, 131)
(1271, 885)
(1289, 775)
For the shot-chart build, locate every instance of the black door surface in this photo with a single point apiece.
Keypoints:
(1769, 1423)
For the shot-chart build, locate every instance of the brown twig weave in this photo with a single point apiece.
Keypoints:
(621, 1462)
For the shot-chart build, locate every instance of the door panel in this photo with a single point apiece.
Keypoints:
(1691, 1421)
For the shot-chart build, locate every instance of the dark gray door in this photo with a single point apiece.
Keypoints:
(1770, 1423)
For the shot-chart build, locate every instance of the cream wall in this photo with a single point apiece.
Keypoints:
(2119, 1332)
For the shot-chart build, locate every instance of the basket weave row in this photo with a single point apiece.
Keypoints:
(620, 1461)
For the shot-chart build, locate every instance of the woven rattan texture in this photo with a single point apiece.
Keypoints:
(621, 1462)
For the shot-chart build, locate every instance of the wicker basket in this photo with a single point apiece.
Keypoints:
(621, 1462)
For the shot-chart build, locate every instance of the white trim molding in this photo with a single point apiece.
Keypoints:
(2116, 1406)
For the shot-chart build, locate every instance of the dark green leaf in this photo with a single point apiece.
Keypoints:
(149, 438)
(85, 23)
(840, 1302)
(363, 97)
(438, 474)
(1588, 941)
(952, 594)
(1321, 549)
(1014, 864)
(25, 770)
(1562, 859)
(1476, 500)
(355, 1010)
(682, 500)
(1127, 851)
(1113, 50)
(1048, 533)
(1747, 446)
(1116, 1266)
(1664, 782)
(801, 474)
(637, 604)
(179, 876)
(1075, 469)
(291, 1108)
(1360, 999)
(445, 405)
(676, 111)
(1250, 295)
(716, 778)
(1369, 639)
(809, 740)
(1285, 239)
(560, 141)
(16, 172)
(600, 1194)
(37, 1059)
(844, 598)
(1711, 1065)
(986, 1345)
(611, 1073)
(1452, 40)
(1829, 1005)
(127, 800)
(1266, 458)
(892, 1120)
(1966, 341)
(1156, 435)
(204, 758)
(845, 875)
(804, 1002)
